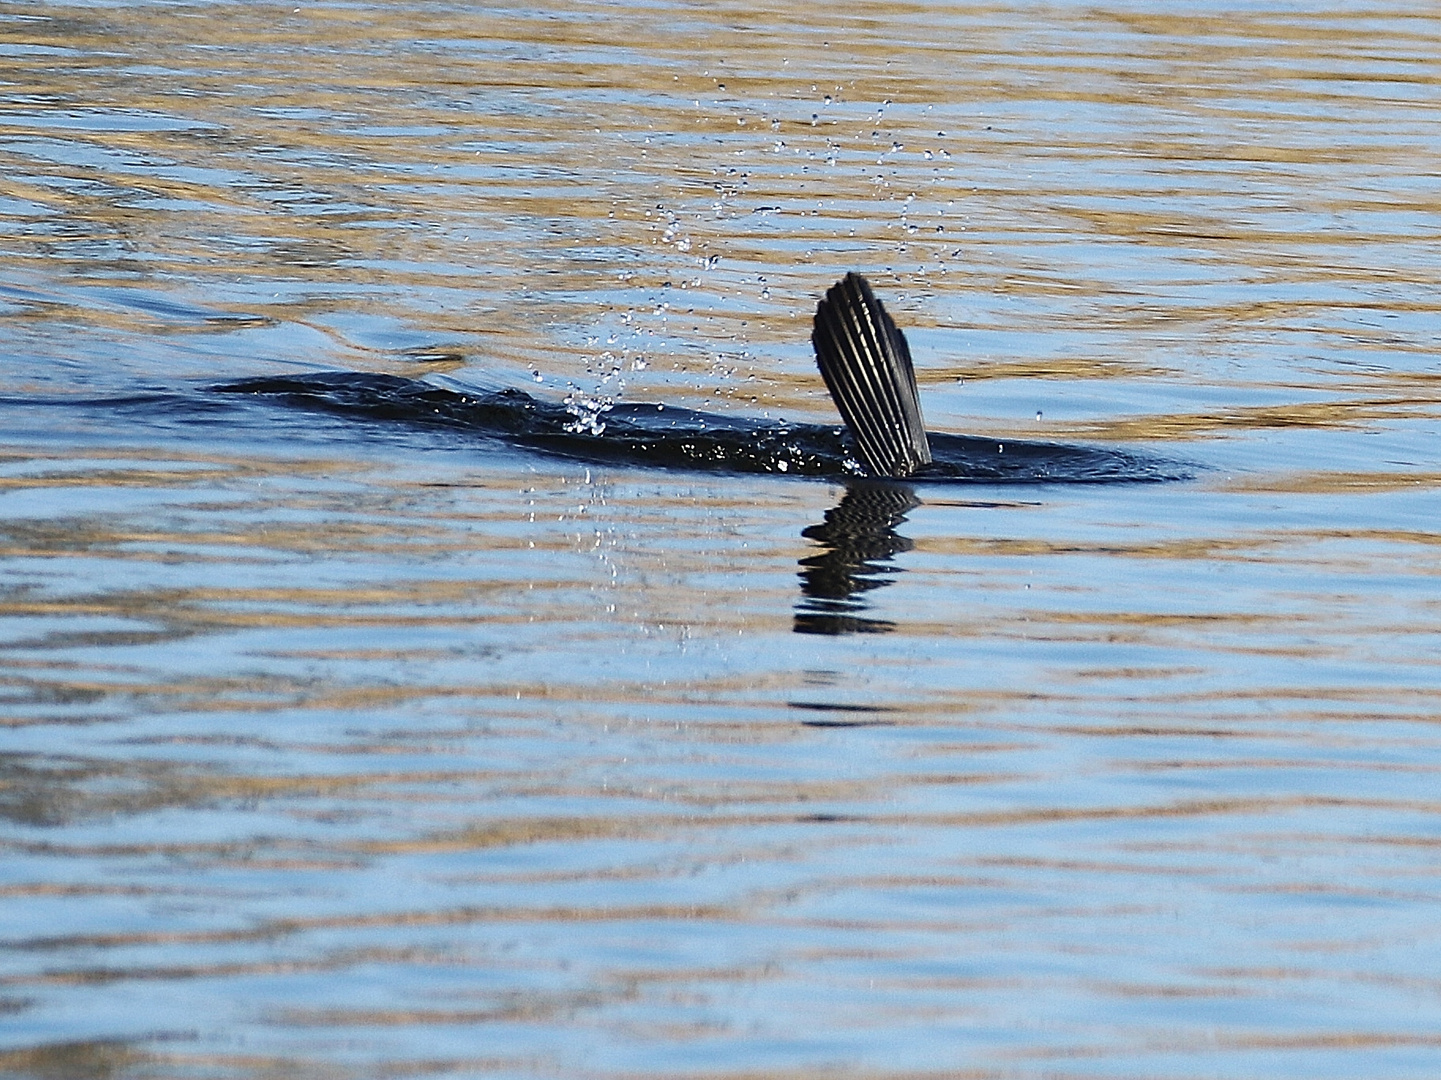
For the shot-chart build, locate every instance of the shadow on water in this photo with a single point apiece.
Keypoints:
(859, 536)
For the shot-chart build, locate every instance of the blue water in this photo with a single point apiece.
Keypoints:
(344, 748)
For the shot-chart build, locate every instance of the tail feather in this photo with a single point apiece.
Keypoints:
(866, 365)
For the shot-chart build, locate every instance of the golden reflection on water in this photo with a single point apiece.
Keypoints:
(329, 755)
(446, 161)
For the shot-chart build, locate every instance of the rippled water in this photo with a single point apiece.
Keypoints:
(336, 746)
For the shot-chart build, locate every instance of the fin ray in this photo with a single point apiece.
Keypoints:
(866, 364)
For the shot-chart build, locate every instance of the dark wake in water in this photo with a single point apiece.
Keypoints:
(663, 436)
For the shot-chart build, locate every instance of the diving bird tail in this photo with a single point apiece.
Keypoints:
(866, 364)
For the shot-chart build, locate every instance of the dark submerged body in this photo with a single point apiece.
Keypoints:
(662, 436)
(863, 358)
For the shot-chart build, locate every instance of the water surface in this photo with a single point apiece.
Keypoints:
(347, 748)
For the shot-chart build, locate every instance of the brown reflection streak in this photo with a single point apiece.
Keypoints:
(529, 1007)
(1176, 1044)
(103, 1059)
(1341, 483)
(99, 976)
(49, 888)
(1095, 866)
(273, 929)
(509, 832)
(68, 791)
(1051, 367)
(99, 1058)
(1154, 990)
(1260, 545)
(1258, 418)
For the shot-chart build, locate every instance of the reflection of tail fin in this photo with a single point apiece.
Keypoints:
(859, 539)
(866, 364)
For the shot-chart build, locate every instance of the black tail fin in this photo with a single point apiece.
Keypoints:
(866, 364)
